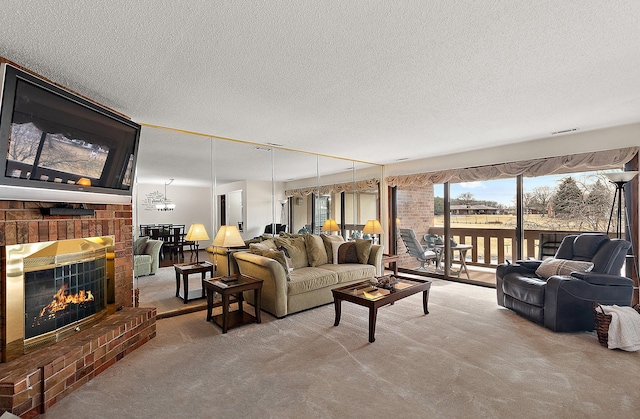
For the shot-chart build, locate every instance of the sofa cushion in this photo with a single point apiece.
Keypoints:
(309, 279)
(139, 245)
(550, 267)
(348, 253)
(279, 256)
(328, 245)
(349, 272)
(363, 247)
(297, 250)
(316, 252)
(523, 288)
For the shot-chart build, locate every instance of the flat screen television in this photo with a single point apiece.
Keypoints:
(57, 146)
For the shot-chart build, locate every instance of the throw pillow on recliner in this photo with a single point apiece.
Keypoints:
(550, 267)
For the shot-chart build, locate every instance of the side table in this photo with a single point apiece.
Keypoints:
(186, 269)
(227, 288)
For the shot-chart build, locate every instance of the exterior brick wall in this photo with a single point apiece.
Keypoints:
(415, 211)
(34, 382)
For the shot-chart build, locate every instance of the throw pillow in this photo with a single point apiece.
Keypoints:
(334, 251)
(328, 246)
(297, 250)
(279, 256)
(139, 245)
(363, 247)
(259, 248)
(348, 253)
(316, 252)
(550, 267)
(285, 252)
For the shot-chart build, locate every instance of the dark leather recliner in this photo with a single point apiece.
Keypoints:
(564, 303)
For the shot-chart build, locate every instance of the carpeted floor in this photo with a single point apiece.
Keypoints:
(159, 290)
(467, 358)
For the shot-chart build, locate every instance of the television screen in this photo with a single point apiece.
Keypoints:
(54, 139)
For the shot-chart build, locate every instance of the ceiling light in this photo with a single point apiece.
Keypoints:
(166, 205)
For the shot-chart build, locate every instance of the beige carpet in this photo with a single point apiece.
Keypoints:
(159, 291)
(467, 358)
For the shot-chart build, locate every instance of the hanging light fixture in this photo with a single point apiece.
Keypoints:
(166, 205)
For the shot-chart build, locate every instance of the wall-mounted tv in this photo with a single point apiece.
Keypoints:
(57, 146)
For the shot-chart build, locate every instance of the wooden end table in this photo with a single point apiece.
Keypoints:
(186, 269)
(362, 293)
(392, 260)
(226, 288)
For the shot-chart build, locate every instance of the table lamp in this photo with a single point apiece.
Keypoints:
(228, 236)
(372, 227)
(330, 226)
(196, 232)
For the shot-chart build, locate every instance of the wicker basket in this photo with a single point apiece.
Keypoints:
(602, 322)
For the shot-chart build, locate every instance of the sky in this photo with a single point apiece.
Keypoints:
(503, 191)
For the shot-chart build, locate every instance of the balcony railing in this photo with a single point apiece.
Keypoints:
(492, 246)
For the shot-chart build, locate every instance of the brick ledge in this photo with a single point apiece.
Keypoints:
(69, 364)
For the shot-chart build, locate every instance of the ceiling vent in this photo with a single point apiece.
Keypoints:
(565, 131)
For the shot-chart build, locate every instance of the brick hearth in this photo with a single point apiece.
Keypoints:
(34, 382)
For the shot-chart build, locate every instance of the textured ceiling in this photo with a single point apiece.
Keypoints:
(369, 80)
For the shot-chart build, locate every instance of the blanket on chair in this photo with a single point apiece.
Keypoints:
(624, 330)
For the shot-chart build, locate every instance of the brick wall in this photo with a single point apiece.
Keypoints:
(415, 211)
(22, 222)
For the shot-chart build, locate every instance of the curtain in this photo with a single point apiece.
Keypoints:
(359, 186)
(599, 160)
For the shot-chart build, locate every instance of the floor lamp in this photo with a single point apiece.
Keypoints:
(619, 179)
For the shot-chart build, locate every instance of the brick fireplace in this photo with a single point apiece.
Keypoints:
(32, 382)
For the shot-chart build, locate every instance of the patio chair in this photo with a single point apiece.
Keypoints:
(415, 249)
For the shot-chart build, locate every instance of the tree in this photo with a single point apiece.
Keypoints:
(465, 198)
(597, 205)
(538, 199)
(438, 205)
(568, 200)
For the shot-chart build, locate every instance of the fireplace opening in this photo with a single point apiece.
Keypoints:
(53, 290)
(57, 297)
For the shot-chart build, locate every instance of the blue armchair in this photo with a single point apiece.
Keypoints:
(563, 303)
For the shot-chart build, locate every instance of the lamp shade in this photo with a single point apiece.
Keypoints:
(196, 232)
(330, 225)
(621, 176)
(228, 236)
(372, 227)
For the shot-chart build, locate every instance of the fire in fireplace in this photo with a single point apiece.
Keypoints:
(56, 288)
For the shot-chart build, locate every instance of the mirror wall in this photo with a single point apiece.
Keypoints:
(218, 181)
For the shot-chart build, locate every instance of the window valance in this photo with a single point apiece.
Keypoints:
(358, 186)
(599, 160)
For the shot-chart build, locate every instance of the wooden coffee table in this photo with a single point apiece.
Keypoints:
(364, 294)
